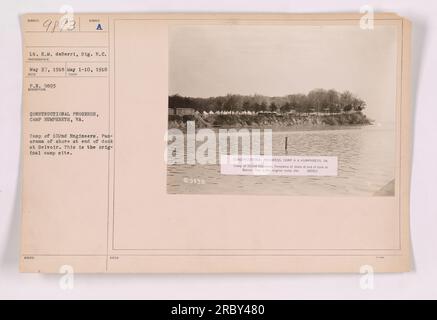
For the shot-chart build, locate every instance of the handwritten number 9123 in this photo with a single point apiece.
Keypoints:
(63, 24)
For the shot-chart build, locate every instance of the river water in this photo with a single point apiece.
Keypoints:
(366, 163)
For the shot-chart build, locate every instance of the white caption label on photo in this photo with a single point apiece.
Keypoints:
(279, 165)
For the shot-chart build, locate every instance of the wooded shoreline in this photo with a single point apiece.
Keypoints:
(268, 120)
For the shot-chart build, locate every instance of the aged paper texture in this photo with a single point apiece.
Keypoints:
(215, 143)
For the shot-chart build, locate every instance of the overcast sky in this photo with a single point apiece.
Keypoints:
(213, 60)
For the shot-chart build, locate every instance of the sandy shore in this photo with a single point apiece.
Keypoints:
(387, 190)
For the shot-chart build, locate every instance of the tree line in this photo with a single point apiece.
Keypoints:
(317, 100)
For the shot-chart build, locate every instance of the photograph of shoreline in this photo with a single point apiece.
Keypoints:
(322, 91)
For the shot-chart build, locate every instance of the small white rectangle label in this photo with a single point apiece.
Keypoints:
(278, 165)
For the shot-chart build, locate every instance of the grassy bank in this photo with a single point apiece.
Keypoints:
(268, 120)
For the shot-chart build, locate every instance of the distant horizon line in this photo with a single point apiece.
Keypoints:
(258, 94)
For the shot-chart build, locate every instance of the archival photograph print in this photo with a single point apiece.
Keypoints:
(282, 110)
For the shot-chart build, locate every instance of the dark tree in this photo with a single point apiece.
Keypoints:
(319, 100)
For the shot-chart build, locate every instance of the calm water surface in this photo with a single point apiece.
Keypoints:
(366, 163)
